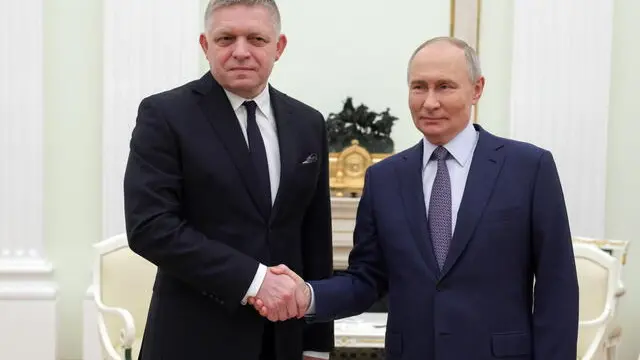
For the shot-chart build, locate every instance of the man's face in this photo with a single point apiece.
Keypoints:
(440, 92)
(241, 46)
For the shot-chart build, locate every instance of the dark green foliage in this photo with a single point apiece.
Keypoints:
(371, 129)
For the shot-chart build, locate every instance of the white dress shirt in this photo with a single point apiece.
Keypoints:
(461, 149)
(267, 125)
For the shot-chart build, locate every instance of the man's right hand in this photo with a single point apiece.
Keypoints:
(277, 295)
(287, 304)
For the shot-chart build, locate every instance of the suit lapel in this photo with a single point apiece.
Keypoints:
(409, 172)
(287, 143)
(485, 167)
(220, 114)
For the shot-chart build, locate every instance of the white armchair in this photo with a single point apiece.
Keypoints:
(598, 276)
(619, 250)
(120, 292)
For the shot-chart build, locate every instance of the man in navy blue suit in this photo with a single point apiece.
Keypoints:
(455, 230)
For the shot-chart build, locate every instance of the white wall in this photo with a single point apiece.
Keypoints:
(555, 106)
(494, 50)
(623, 165)
(164, 54)
(357, 48)
(72, 156)
(27, 292)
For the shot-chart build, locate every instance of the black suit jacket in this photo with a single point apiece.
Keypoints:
(191, 209)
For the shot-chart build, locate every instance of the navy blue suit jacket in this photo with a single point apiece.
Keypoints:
(512, 225)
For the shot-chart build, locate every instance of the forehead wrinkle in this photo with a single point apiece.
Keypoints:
(239, 31)
(251, 28)
(253, 16)
(437, 70)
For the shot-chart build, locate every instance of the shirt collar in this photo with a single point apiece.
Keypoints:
(263, 101)
(459, 147)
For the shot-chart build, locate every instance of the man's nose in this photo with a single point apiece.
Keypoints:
(241, 49)
(431, 101)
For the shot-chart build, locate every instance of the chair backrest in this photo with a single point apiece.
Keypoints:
(597, 278)
(125, 280)
(616, 248)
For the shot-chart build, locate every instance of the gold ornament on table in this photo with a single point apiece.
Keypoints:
(348, 167)
(358, 138)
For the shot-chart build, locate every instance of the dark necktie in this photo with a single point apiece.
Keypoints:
(258, 155)
(440, 208)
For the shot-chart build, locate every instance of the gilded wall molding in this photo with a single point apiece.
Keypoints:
(465, 25)
(465, 21)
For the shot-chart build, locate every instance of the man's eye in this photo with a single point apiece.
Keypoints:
(224, 39)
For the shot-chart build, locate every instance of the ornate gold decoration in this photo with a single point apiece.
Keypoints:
(347, 169)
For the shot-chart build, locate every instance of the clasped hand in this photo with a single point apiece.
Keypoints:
(283, 295)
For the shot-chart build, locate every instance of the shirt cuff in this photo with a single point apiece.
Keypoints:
(255, 284)
(312, 304)
(315, 354)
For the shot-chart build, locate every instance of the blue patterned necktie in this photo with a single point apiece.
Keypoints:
(258, 155)
(440, 207)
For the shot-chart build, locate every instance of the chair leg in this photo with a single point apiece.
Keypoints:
(611, 351)
(612, 343)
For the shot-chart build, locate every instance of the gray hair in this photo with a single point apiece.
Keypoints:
(217, 4)
(473, 63)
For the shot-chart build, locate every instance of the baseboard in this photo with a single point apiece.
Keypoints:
(28, 309)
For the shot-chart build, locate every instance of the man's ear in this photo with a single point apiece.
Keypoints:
(204, 44)
(280, 45)
(478, 88)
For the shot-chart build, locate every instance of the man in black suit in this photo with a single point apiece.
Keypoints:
(227, 176)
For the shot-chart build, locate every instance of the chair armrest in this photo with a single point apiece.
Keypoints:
(600, 320)
(127, 334)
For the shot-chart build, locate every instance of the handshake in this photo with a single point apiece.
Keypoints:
(283, 295)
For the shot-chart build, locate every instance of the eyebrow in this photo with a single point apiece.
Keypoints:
(255, 34)
(439, 81)
(226, 31)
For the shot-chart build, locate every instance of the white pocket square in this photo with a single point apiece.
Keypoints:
(310, 159)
